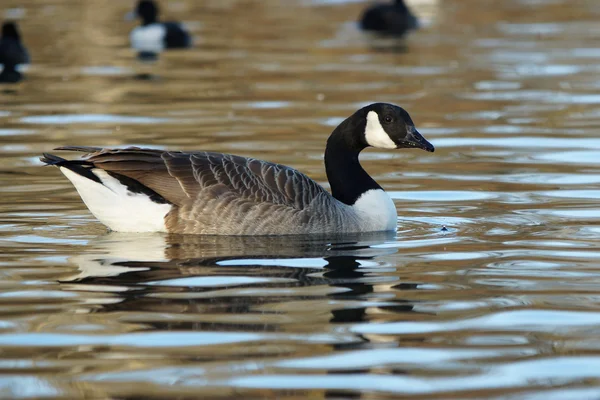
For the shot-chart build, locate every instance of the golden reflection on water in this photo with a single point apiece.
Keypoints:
(503, 303)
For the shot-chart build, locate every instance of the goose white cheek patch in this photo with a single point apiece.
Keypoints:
(375, 135)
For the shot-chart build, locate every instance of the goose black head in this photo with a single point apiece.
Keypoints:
(10, 30)
(147, 11)
(387, 126)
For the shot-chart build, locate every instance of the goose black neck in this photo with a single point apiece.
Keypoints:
(347, 178)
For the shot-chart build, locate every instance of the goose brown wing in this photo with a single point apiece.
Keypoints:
(179, 176)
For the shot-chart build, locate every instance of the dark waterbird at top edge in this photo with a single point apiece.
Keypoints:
(12, 53)
(394, 19)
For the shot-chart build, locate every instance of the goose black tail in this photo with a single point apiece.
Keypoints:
(80, 167)
(51, 159)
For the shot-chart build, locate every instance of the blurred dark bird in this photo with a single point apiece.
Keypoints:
(152, 36)
(12, 53)
(391, 19)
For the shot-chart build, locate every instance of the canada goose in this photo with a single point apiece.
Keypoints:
(152, 36)
(393, 19)
(12, 53)
(148, 190)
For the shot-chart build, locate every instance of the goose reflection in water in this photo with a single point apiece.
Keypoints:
(202, 275)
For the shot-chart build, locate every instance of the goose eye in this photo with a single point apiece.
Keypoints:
(387, 119)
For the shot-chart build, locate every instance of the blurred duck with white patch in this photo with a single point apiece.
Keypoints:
(12, 53)
(152, 36)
